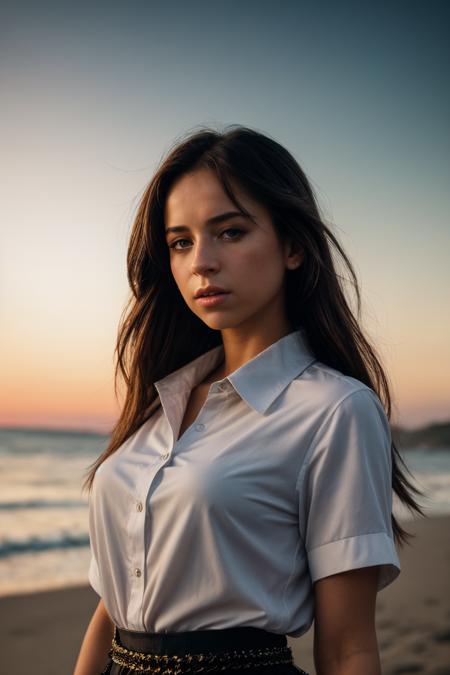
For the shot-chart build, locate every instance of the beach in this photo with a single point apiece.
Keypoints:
(45, 629)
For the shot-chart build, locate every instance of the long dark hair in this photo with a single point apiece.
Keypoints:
(158, 333)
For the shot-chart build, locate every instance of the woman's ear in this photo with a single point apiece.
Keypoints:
(293, 255)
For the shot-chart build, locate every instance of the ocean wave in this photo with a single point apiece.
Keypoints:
(42, 504)
(35, 544)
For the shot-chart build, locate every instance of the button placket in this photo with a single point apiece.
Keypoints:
(137, 581)
(136, 530)
(200, 426)
(154, 462)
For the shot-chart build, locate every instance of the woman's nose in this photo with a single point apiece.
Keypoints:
(204, 259)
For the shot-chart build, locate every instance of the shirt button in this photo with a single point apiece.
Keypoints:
(199, 427)
(137, 572)
(139, 506)
(165, 455)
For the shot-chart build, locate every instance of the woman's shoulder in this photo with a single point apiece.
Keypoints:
(325, 388)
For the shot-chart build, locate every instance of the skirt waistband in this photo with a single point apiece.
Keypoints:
(197, 641)
(202, 651)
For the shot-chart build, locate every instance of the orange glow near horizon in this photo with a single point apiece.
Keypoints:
(73, 389)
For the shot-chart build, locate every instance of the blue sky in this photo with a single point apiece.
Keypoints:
(95, 94)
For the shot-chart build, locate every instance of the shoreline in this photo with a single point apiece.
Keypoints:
(45, 628)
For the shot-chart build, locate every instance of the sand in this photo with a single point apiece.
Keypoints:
(45, 629)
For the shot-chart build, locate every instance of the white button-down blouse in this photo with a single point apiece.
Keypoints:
(283, 478)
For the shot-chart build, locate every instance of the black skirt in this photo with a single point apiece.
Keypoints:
(196, 642)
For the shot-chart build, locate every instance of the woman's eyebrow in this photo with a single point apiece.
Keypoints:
(211, 221)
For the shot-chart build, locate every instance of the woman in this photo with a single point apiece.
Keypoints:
(247, 488)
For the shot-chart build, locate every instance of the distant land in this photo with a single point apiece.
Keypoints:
(435, 435)
(53, 431)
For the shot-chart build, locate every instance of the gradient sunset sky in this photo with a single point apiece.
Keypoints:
(93, 96)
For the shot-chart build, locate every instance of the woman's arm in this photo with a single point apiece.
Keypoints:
(96, 644)
(345, 640)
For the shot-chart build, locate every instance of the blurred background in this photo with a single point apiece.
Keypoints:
(94, 95)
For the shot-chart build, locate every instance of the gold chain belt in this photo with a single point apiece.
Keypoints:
(206, 662)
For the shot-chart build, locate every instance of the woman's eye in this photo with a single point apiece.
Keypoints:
(230, 229)
(233, 229)
(174, 243)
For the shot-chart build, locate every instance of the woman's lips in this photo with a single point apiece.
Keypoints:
(212, 300)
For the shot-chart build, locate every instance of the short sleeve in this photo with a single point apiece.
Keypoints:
(345, 491)
(93, 573)
(94, 576)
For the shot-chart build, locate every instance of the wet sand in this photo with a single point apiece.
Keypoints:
(45, 629)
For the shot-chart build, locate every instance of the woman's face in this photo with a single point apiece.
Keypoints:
(244, 258)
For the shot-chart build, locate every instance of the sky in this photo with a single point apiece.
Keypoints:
(93, 97)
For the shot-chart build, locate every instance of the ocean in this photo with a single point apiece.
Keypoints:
(44, 540)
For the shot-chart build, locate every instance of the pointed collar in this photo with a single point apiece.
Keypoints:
(259, 381)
